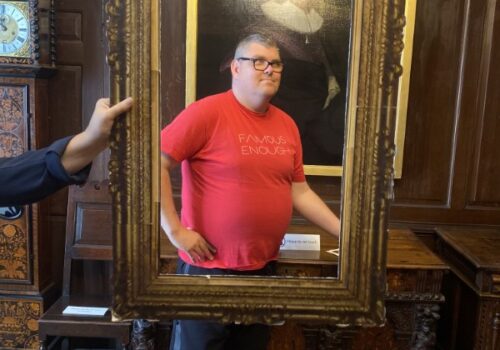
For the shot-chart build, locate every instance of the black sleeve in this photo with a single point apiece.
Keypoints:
(34, 175)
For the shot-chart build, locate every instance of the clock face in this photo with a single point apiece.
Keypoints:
(14, 29)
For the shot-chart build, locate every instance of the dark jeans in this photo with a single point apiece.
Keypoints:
(213, 335)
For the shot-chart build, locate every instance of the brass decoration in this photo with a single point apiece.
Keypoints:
(19, 323)
(356, 297)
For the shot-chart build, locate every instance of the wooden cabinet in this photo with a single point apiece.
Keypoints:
(26, 280)
(473, 290)
(413, 301)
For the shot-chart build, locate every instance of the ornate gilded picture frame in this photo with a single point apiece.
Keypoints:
(356, 296)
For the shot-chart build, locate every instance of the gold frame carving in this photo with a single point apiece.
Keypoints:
(404, 86)
(356, 297)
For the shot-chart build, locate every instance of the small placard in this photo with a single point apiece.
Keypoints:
(296, 241)
(85, 310)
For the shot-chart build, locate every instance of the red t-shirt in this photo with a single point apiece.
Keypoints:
(237, 170)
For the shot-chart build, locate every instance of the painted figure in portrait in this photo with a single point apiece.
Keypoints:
(313, 36)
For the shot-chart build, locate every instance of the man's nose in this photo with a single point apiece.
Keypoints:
(269, 69)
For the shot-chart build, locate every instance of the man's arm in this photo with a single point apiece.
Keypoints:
(85, 146)
(181, 237)
(36, 174)
(308, 203)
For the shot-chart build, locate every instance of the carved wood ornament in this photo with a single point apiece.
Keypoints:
(356, 297)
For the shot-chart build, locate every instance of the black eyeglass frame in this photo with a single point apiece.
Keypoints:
(268, 63)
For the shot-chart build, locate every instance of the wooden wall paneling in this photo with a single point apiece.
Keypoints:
(56, 226)
(41, 244)
(429, 141)
(80, 80)
(81, 42)
(81, 46)
(470, 128)
(65, 119)
(483, 190)
(451, 155)
(65, 104)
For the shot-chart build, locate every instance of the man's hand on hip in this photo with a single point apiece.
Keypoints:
(194, 245)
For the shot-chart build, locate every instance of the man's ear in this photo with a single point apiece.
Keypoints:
(235, 68)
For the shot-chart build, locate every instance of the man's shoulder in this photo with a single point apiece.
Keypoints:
(214, 99)
(279, 113)
(205, 110)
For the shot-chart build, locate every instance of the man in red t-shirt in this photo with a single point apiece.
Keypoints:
(242, 175)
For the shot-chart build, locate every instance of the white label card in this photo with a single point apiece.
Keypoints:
(85, 310)
(296, 241)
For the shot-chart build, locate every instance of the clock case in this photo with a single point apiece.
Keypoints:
(29, 281)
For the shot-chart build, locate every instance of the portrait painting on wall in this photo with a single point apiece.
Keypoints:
(313, 37)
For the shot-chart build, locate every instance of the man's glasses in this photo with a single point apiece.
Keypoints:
(262, 64)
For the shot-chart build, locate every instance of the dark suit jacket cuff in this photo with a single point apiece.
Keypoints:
(55, 167)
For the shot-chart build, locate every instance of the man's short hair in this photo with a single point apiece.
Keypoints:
(254, 38)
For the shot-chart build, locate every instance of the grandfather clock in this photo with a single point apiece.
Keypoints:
(27, 59)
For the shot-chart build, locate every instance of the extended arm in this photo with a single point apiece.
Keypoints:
(36, 174)
(312, 207)
(181, 237)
